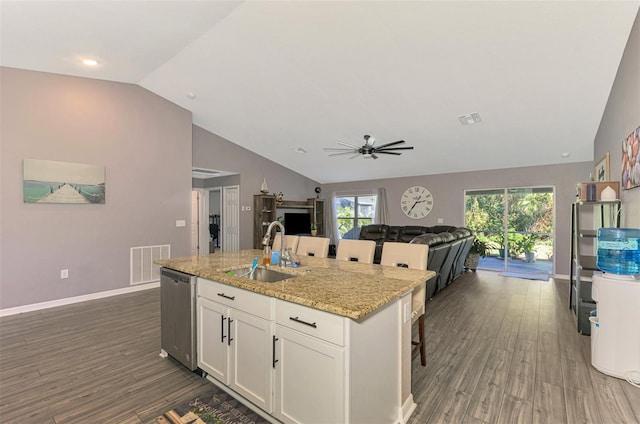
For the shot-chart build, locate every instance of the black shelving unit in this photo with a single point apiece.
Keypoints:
(586, 218)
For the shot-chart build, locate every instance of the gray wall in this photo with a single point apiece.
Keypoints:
(143, 141)
(214, 152)
(448, 193)
(620, 118)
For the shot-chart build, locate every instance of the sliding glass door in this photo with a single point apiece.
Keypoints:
(517, 225)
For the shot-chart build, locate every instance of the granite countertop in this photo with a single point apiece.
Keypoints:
(349, 289)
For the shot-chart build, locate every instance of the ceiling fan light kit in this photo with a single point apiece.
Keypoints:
(368, 150)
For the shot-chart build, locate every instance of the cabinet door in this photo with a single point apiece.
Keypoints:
(251, 353)
(310, 384)
(212, 339)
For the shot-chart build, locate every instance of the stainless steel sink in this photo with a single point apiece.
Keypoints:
(261, 274)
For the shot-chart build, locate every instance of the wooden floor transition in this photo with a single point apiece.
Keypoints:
(499, 350)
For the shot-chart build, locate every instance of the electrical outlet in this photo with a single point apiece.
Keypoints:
(180, 223)
(64, 273)
(440, 221)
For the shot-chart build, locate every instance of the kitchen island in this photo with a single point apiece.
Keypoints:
(330, 344)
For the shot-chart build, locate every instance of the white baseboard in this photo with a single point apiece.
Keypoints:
(407, 409)
(76, 299)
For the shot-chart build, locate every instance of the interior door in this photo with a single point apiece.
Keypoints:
(231, 218)
(195, 212)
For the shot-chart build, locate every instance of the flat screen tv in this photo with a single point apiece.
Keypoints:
(297, 223)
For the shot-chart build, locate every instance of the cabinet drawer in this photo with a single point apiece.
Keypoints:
(313, 322)
(243, 300)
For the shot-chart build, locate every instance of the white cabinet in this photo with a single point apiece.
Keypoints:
(310, 368)
(303, 365)
(250, 367)
(212, 345)
(235, 332)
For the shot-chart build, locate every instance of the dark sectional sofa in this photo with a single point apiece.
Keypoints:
(448, 248)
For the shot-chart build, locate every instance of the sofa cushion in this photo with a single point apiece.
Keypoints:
(394, 232)
(408, 232)
(447, 237)
(461, 232)
(429, 239)
(442, 229)
(378, 233)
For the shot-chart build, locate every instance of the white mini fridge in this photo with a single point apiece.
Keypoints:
(615, 331)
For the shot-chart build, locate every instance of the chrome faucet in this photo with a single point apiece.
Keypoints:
(267, 237)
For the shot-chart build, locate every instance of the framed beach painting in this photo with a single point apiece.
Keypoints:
(631, 160)
(46, 181)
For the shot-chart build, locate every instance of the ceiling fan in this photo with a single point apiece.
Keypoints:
(368, 150)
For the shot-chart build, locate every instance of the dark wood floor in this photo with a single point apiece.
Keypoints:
(500, 350)
(506, 350)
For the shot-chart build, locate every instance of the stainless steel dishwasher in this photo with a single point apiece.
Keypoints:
(178, 316)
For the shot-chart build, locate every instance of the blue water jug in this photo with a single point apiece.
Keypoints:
(619, 250)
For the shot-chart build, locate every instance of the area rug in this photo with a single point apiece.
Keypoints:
(212, 407)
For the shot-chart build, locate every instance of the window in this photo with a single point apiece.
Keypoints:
(352, 212)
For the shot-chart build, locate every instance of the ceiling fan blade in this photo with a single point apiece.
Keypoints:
(347, 145)
(338, 149)
(368, 151)
(378, 150)
(342, 153)
(393, 143)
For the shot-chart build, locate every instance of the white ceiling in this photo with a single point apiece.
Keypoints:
(274, 75)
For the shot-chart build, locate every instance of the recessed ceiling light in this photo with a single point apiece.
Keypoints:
(470, 119)
(191, 95)
(90, 62)
(299, 150)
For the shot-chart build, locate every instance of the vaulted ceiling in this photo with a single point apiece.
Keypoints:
(274, 76)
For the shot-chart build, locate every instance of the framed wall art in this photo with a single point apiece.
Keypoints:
(631, 160)
(601, 171)
(46, 181)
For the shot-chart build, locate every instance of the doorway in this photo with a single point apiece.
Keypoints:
(518, 226)
(215, 220)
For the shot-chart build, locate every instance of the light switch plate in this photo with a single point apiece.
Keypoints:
(180, 223)
(440, 221)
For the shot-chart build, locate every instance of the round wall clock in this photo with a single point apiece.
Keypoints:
(416, 202)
